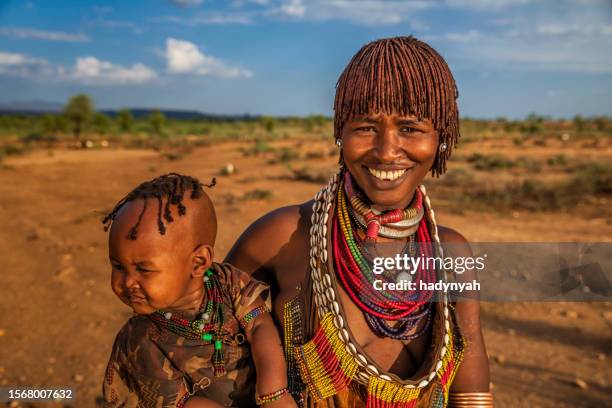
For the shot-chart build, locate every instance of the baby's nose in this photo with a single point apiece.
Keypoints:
(130, 281)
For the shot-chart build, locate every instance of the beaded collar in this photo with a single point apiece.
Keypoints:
(326, 293)
(207, 326)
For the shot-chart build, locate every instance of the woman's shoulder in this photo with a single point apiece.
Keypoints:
(453, 241)
(451, 235)
(281, 222)
(264, 238)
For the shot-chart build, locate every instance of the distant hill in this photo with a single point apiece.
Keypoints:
(180, 114)
(30, 107)
(37, 107)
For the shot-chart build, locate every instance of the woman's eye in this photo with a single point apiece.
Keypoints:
(365, 129)
(407, 129)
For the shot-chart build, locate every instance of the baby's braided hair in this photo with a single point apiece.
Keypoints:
(172, 186)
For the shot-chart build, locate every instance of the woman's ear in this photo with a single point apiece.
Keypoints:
(202, 258)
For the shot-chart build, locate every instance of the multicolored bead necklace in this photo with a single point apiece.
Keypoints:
(406, 307)
(208, 326)
(332, 360)
(392, 224)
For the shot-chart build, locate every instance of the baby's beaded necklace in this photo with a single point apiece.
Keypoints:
(208, 326)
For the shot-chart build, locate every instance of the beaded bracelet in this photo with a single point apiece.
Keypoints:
(252, 314)
(273, 396)
(181, 403)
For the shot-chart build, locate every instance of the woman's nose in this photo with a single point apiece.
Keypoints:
(388, 145)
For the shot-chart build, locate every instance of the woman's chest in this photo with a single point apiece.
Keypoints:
(402, 358)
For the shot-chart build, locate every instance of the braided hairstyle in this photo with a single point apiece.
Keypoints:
(404, 76)
(172, 186)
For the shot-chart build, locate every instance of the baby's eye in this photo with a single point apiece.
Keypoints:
(117, 267)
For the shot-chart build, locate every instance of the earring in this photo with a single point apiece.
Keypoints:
(338, 142)
(443, 147)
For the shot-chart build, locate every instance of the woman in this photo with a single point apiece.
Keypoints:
(346, 343)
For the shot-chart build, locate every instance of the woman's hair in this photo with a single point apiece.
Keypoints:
(172, 186)
(405, 76)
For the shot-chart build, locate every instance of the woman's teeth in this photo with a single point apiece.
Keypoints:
(386, 175)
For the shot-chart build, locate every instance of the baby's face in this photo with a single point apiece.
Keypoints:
(152, 272)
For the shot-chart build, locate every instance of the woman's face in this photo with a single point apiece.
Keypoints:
(388, 156)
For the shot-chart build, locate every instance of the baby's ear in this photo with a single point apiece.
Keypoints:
(202, 258)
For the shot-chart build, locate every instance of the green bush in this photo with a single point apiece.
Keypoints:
(557, 160)
(592, 178)
(259, 146)
(489, 162)
(257, 194)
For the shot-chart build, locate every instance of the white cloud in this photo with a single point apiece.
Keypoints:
(184, 57)
(186, 3)
(112, 24)
(537, 58)
(87, 70)
(206, 19)
(486, 4)
(364, 13)
(293, 8)
(467, 37)
(92, 71)
(9, 58)
(587, 29)
(566, 38)
(21, 65)
(31, 33)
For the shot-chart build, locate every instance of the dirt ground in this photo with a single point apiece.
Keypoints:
(58, 315)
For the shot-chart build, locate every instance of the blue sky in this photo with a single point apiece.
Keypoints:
(283, 57)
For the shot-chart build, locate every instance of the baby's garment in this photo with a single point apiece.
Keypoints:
(151, 366)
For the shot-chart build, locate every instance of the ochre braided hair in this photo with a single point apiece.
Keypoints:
(171, 186)
(403, 76)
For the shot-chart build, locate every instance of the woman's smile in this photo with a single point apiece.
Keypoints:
(386, 178)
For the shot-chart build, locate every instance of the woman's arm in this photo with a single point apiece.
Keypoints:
(473, 373)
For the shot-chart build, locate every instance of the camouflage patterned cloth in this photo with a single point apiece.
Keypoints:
(154, 367)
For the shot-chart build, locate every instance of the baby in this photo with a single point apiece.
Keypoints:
(199, 325)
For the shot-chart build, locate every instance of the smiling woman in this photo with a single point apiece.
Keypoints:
(347, 342)
(388, 156)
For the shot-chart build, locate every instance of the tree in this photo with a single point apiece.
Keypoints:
(533, 123)
(79, 111)
(101, 122)
(157, 121)
(579, 123)
(601, 123)
(48, 124)
(125, 120)
(268, 122)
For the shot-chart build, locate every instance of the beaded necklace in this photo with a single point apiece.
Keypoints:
(331, 360)
(392, 224)
(408, 307)
(208, 326)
